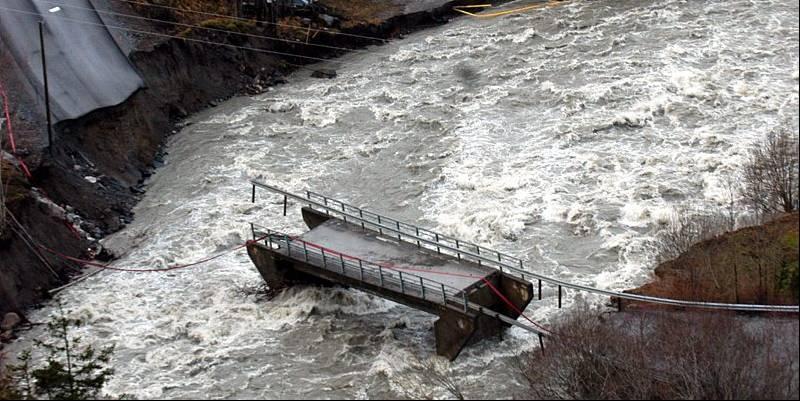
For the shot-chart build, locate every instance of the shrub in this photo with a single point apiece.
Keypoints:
(771, 174)
(663, 355)
(685, 230)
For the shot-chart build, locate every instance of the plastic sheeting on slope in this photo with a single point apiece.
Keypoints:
(86, 68)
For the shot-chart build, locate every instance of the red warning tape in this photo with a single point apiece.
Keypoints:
(11, 140)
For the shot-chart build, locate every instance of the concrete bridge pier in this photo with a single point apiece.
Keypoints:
(416, 277)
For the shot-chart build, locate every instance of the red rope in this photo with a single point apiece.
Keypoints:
(331, 251)
(391, 266)
(11, 132)
(513, 307)
(169, 268)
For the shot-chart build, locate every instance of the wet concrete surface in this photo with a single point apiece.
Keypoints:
(351, 240)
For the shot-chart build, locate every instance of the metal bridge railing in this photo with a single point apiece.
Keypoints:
(361, 270)
(483, 256)
(375, 274)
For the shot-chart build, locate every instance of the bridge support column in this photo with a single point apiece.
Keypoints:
(453, 332)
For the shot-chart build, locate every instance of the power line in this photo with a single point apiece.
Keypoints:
(82, 22)
(245, 19)
(138, 17)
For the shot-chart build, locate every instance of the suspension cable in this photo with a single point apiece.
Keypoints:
(194, 26)
(82, 22)
(245, 19)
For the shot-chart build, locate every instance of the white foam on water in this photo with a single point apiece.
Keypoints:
(584, 127)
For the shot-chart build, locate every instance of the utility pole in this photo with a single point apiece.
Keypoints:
(46, 90)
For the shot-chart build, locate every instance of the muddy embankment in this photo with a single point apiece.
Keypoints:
(752, 265)
(87, 186)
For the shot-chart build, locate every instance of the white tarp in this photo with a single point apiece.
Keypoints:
(87, 70)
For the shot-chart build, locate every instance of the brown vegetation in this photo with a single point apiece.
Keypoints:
(751, 265)
(702, 259)
(221, 7)
(360, 12)
(661, 355)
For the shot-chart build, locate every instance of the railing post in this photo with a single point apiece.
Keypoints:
(361, 216)
(540, 289)
(305, 251)
(438, 250)
(360, 270)
(288, 245)
(341, 260)
(324, 262)
(285, 204)
(380, 274)
(464, 293)
(559, 297)
(402, 286)
(417, 230)
(380, 229)
(422, 286)
(254, 194)
(444, 296)
(398, 231)
(541, 343)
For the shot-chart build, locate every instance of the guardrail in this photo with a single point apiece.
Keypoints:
(361, 270)
(505, 263)
(375, 274)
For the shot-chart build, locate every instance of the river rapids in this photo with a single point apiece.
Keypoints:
(565, 136)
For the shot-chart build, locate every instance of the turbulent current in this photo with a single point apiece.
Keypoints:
(565, 136)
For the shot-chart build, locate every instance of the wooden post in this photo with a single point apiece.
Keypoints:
(541, 343)
(46, 91)
(559, 297)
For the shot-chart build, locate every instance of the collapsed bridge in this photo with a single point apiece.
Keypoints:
(475, 291)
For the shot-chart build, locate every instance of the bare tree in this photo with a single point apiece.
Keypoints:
(663, 355)
(686, 229)
(428, 377)
(771, 174)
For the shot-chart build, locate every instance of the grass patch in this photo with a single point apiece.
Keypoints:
(360, 12)
(221, 24)
(752, 265)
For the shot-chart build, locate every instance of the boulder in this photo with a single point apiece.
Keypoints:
(10, 320)
(324, 73)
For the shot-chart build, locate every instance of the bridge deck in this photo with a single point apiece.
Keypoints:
(472, 301)
(352, 240)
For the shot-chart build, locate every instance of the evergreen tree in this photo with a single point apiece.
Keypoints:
(70, 372)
